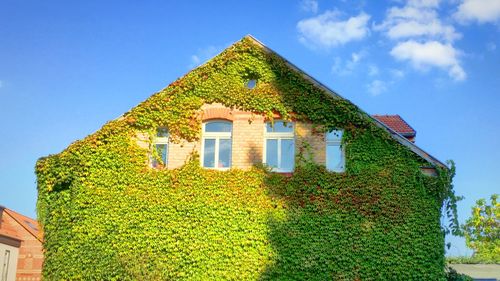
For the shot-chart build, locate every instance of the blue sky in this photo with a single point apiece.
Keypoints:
(67, 67)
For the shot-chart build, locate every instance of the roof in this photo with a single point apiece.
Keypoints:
(397, 123)
(397, 136)
(29, 224)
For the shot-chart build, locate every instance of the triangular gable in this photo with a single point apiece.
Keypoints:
(399, 138)
(396, 136)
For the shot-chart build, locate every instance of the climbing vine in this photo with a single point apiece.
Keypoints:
(107, 216)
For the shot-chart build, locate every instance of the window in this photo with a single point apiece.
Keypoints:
(217, 145)
(335, 157)
(161, 148)
(279, 146)
(251, 84)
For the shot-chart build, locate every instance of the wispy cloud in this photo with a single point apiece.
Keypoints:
(397, 73)
(204, 54)
(309, 6)
(346, 67)
(430, 54)
(373, 70)
(376, 87)
(481, 11)
(329, 30)
(491, 46)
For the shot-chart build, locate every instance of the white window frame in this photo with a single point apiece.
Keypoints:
(6, 265)
(161, 140)
(217, 136)
(336, 142)
(279, 136)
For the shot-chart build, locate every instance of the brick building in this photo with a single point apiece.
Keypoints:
(172, 185)
(249, 140)
(21, 255)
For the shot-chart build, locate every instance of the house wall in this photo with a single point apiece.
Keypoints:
(30, 254)
(8, 262)
(247, 138)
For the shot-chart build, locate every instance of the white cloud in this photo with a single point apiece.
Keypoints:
(376, 87)
(416, 19)
(422, 37)
(202, 55)
(482, 11)
(430, 54)
(327, 30)
(309, 6)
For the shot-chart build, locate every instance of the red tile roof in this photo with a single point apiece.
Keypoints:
(27, 223)
(397, 124)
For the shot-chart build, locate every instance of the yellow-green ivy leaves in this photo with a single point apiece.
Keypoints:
(108, 216)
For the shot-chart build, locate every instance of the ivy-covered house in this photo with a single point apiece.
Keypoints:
(246, 168)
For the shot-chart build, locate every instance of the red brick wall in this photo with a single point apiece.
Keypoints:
(30, 259)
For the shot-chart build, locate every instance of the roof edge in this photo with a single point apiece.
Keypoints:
(401, 139)
(398, 137)
(30, 231)
(412, 146)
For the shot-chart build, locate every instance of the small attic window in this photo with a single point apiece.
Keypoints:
(251, 84)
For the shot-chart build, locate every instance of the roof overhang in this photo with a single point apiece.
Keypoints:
(10, 241)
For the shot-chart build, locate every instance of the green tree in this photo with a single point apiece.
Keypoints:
(482, 230)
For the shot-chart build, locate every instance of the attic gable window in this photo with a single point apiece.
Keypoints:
(217, 145)
(251, 84)
(279, 146)
(160, 146)
(335, 156)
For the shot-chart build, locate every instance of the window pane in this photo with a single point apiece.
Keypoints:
(224, 153)
(218, 126)
(287, 154)
(279, 127)
(162, 150)
(272, 153)
(334, 158)
(162, 132)
(209, 153)
(335, 135)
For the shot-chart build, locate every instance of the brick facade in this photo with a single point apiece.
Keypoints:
(247, 138)
(30, 253)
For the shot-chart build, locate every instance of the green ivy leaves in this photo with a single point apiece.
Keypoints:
(107, 216)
